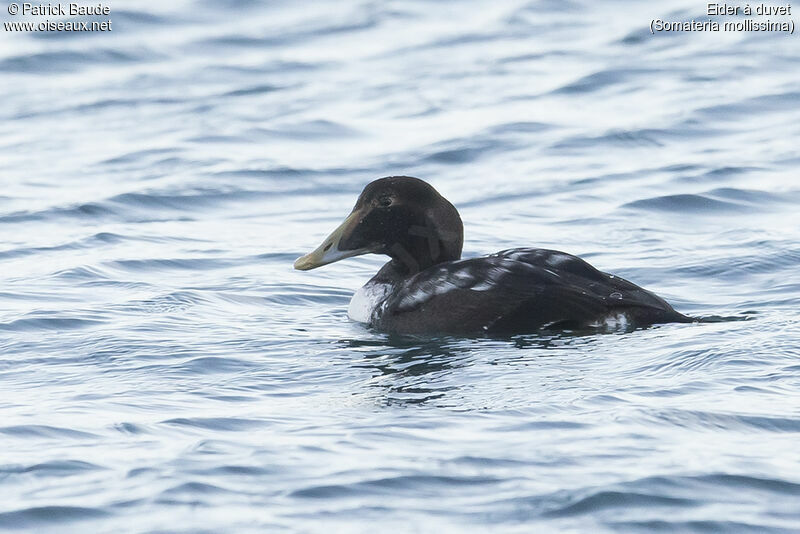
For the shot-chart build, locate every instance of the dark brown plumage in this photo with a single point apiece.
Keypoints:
(426, 288)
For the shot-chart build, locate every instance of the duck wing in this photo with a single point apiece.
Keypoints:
(516, 291)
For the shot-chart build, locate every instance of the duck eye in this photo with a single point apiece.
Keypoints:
(385, 202)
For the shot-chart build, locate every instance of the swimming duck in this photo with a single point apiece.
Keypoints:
(426, 288)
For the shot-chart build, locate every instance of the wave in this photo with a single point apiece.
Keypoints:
(685, 203)
(671, 495)
(603, 79)
(48, 324)
(393, 485)
(140, 207)
(710, 421)
(161, 360)
(227, 424)
(603, 500)
(44, 432)
(718, 201)
(58, 468)
(71, 61)
(288, 35)
(96, 240)
(42, 516)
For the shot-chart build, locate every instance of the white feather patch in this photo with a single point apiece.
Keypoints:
(613, 322)
(365, 301)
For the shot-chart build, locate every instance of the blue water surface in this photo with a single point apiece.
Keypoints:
(164, 369)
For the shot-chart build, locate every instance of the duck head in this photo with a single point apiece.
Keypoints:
(402, 217)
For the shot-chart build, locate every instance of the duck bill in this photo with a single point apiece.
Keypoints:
(329, 251)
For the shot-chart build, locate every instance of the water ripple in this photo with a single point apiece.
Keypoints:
(48, 516)
(163, 364)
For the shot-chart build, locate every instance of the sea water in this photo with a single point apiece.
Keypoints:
(164, 369)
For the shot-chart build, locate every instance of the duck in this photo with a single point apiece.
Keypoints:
(427, 288)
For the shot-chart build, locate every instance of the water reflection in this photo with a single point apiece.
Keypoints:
(412, 370)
